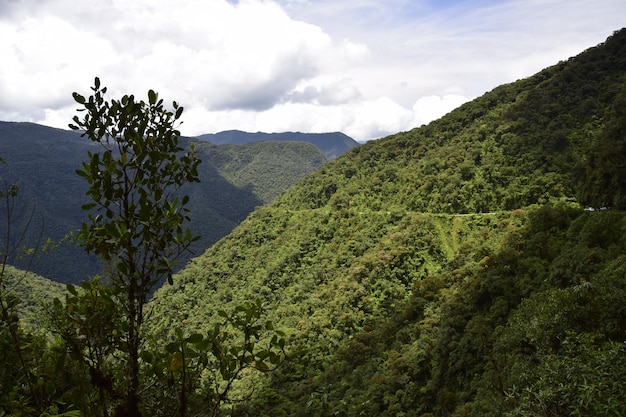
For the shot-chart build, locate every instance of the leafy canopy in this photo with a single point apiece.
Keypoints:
(138, 221)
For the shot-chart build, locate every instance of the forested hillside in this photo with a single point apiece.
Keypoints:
(452, 270)
(33, 292)
(332, 144)
(264, 168)
(42, 161)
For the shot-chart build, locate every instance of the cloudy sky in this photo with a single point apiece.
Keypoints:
(367, 68)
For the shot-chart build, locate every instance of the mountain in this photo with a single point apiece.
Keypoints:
(266, 169)
(43, 161)
(451, 270)
(331, 144)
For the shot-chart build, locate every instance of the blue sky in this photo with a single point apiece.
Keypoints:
(364, 67)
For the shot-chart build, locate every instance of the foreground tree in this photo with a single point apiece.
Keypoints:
(136, 219)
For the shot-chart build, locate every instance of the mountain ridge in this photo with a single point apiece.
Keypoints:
(332, 144)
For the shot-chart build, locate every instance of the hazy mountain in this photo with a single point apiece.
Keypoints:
(446, 271)
(43, 160)
(331, 144)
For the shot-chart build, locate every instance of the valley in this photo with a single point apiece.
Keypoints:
(450, 270)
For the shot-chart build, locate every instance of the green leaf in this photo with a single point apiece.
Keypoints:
(191, 353)
(195, 338)
(78, 98)
(82, 173)
(147, 356)
(261, 366)
(122, 268)
(71, 289)
(275, 359)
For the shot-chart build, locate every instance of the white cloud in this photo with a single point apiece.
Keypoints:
(363, 120)
(38, 69)
(367, 68)
(427, 109)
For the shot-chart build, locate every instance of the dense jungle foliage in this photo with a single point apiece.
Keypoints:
(475, 266)
(34, 292)
(452, 270)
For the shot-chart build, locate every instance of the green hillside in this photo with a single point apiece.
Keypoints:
(450, 270)
(264, 168)
(42, 161)
(33, 292)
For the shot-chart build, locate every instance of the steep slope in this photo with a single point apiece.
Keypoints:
(405, 272)
(33, 291)
(332, 145)
(264, 168)
(516, 145)
(42, 161)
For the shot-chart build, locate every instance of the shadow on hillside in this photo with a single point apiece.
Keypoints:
(43, 161)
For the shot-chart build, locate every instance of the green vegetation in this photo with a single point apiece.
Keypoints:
(135, 224)
(96, 358)
(24, 385)
(453, 270)
(234, 180)
(33, 292)
(265, 169)
(449, 270)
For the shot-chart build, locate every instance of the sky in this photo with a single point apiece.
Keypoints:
(367, 68)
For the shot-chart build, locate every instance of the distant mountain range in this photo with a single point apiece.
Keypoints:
(331, 144)
(234, 180)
